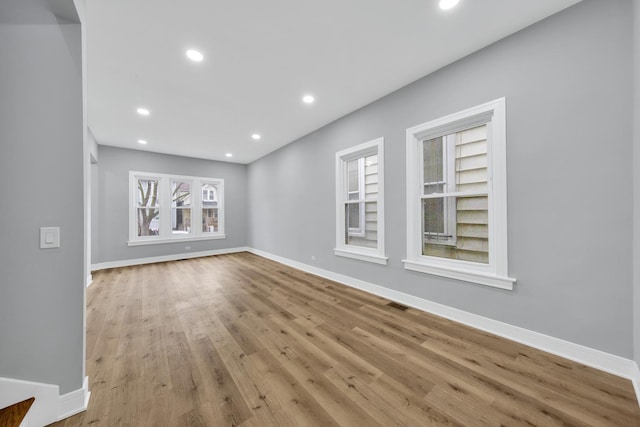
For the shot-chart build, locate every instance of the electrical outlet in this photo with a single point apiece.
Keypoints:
(313, 257)
(187, 248)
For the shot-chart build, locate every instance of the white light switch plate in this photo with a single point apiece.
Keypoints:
(49, 237)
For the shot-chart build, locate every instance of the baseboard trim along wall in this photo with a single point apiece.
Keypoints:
(597, 359)
(165, 258)
(49, 405)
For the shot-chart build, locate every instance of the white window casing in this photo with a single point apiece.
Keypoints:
(165, 233)
(494, 272)
(376, 252)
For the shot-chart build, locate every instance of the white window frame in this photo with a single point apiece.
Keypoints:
(165, 234)
(375, 255)
(495, 272)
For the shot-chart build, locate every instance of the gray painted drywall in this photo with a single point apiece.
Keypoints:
(636, 181)
(113, 196)
(567, 83)
(94, 216)
(41, 291)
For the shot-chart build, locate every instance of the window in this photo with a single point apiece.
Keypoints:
(456, 196)
(180, 207)
(166, 208)
(210, 218)
(360, 202)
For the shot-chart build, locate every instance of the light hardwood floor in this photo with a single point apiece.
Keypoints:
(238, 340)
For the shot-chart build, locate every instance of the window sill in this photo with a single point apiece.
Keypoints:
(362, 256)
(152, 241)
(486, 279)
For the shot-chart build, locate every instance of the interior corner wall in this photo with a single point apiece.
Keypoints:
(41, 141)
(636, 180)
(567, 83)
(113, 196)
(94, 196)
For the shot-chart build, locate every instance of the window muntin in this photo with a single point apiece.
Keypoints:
(456, 196)
(359, 189)
(164, 208)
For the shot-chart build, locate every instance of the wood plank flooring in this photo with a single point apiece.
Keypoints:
(238, 340)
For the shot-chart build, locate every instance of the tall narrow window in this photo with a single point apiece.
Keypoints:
(147, 207)
(209, 208)
(360, 202)
(456, 196)
(180, 207)
(168, 208)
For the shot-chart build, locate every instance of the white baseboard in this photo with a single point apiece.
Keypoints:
(164, 258)
(72, 403)
(49, 405)
(636, 381)
(606, 362)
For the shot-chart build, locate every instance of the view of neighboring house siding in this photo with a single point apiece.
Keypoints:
(370, 238)
(471, 240)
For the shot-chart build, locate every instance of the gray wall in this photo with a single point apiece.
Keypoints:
(567, 82)
(636, 181)
(94, 196)
(113, 196)
(41, 291)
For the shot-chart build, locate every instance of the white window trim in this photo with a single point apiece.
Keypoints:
(495, 273)
(375, 255)
(164, 196)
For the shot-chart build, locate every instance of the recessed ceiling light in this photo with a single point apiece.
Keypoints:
(142, 141)
(194, 55)
(308, 99)
(256, 136)
(448, 4)
(229, 155)
(143, 111)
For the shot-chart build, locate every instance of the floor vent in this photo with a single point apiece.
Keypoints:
(397, 306)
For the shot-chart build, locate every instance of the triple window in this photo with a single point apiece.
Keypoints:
(165, 208)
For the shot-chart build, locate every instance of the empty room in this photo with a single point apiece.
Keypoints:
(329, 213)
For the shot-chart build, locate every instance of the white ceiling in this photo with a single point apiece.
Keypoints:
(261, 57)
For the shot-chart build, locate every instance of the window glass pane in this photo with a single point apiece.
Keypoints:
(209, 192)
(457, 165)
(181, 220)
(148, 222)
(210, 220)
(433, 161)
(353, 216)
(180, 194)
(353, 176)
(361, 223)
(371, 177)
(433, 214)
(148, 192)
(456, 228)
